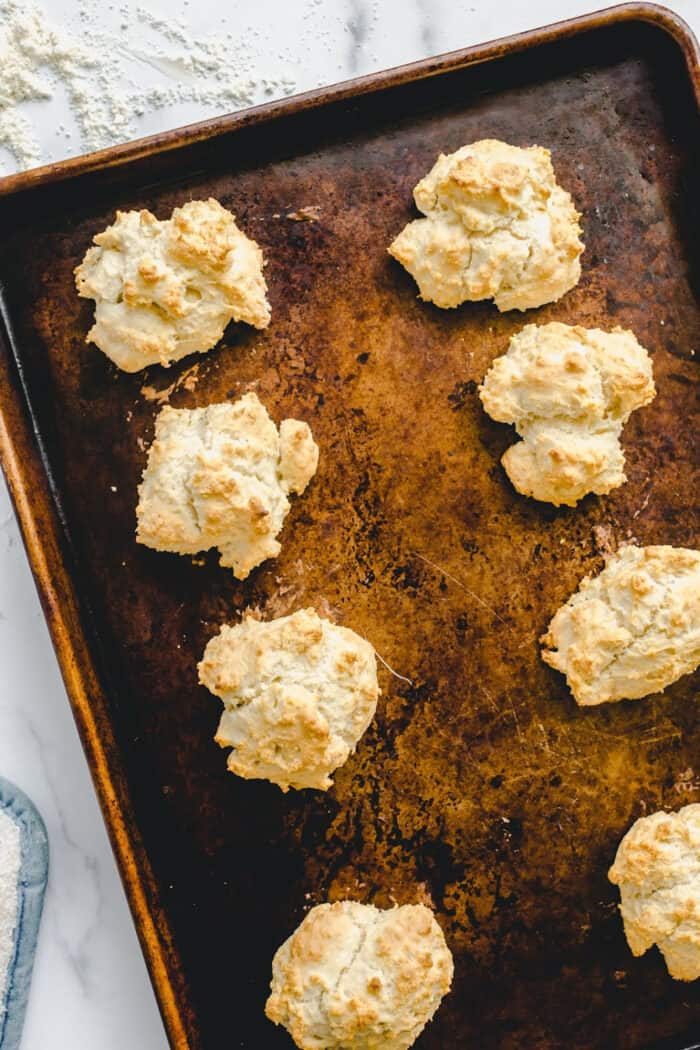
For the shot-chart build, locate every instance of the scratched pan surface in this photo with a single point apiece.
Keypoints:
(480, 789)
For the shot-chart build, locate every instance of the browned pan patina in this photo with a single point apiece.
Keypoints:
(480, 789)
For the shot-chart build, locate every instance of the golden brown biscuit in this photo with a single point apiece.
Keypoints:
(633, 629)
(497, 226)
(657, 867)
(357, 978)
(298, 694)
(163, 290)
(219, 477)
(569, 391)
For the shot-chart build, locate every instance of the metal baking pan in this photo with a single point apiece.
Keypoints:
(481, 788)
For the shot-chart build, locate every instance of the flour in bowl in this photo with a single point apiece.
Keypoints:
(10, 859)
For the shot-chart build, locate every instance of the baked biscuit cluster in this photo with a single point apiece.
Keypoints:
(299, 691)
(633, 629)
(356, 977)
(298, 694)
(167, 289)
(657, 867)
(569, 391)
(220, 477)
(497, 226)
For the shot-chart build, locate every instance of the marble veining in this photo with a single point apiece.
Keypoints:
(358, 23)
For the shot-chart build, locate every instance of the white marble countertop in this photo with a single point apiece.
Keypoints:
(91, 989)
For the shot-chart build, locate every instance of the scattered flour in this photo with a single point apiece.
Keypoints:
(10, 858)
(143, 62)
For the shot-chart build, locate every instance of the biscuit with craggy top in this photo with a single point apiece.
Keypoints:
(633, 629)
(497, 226)
(220, 476)
(298, 694)
(355, 977)
(569, 391)
(165, 289)
(657, 867)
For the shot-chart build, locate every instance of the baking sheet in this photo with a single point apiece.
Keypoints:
(480, 789)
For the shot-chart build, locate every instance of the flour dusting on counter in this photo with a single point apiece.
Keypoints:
(112, 76)
(10, 859)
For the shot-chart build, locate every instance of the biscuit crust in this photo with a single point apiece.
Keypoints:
(657, 867)
(633, 629)
(497, 226)
(354, 977)
(569, 391)
(298, 694)
(220, 476)
(166, 289)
